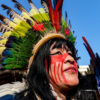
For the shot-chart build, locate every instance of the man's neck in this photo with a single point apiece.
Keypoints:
(57, 92)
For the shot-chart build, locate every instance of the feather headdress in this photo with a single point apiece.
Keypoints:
(95, 60)
(22, 31)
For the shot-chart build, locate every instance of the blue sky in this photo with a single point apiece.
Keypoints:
(85, 21)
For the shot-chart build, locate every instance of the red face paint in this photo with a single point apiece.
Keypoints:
(64, 77)
(56, 68)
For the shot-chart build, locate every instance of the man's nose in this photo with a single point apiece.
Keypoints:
(69, 59)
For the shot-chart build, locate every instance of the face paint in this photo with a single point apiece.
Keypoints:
(56, 68)
(64, 77)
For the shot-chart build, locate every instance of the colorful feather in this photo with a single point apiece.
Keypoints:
(89, 49)
(45, 5)
(4, 28)
(32, 5)
(3, 41)
(66, 17)
(26, 15)
(55, 14)
(55, 3)
(2, 48)
(1, 37)
(11, 12)
(96, 62)
(97, 71)
(7, 21)
(20, 7)
(69, 24)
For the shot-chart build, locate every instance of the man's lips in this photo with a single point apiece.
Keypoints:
(70, 69)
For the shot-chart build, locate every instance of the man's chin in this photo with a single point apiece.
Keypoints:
(72, 81)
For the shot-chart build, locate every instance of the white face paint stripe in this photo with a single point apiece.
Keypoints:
(50, 71)
(57, 73)
(54, 71)
(60, 72)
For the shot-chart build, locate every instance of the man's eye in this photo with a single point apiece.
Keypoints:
(57, 53)
(70, 53)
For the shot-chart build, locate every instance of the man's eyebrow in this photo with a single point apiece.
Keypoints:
(68, 49)
(58, 47)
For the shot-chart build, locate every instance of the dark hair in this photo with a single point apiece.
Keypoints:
(37, 78)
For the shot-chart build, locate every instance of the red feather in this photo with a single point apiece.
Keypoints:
(51, 12)
(55, 15)
(38, 27)
(58, 14)
(89, 49)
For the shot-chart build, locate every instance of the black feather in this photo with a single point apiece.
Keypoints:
(45, 5)
(11, 76)
(1, 17)
(5, 20)
(69, 24)
(20, 7)
(11, 12)
(73, 31)
(32, 5)
(4, 28)
(66, 16)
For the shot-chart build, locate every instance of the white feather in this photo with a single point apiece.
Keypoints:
(15, 87)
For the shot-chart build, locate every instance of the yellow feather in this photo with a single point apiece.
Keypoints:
(11, 24)
(7, 34)
(38, 17)
(2, 49)
(33, 12)
(41, 10)
(26, 16)
(44, 14)
(3, 41)
(17, 21)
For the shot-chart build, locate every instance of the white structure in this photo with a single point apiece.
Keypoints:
(83, 69)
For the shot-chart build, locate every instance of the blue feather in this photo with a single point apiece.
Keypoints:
(96, 67)
(87, 50)
(6, 52)
(3, 61)
(97, 71)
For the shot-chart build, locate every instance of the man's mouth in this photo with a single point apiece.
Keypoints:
(70, 69)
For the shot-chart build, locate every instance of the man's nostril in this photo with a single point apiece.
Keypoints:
(72, 62)
(69, 61)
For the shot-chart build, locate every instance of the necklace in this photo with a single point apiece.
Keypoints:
(55, 94)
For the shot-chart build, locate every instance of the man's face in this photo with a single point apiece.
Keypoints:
(63, 68)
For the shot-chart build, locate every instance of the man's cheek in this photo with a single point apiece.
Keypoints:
(62, 75)
(58, 58)
(67, 79)
(75, 64)
(56, 72)
(60, 71)
(53, 72)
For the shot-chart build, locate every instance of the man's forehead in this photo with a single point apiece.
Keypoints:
(60, 46)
